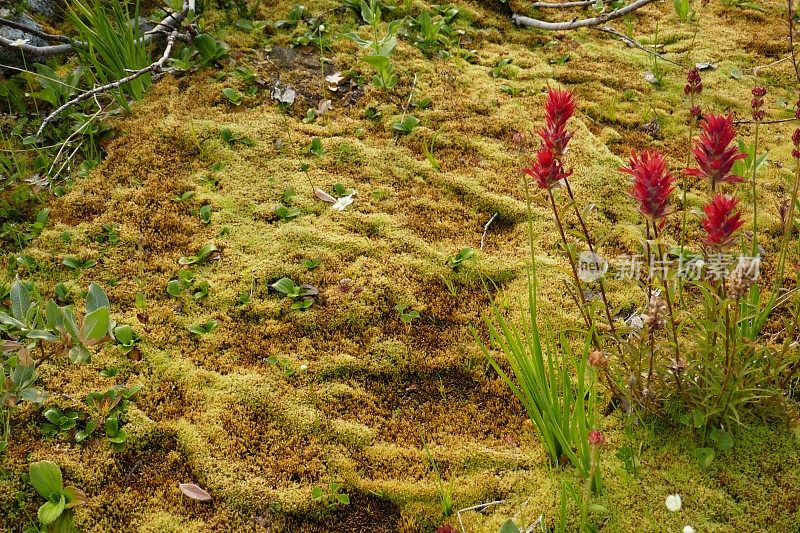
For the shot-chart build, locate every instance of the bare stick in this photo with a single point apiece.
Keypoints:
(32, 31)
(165, 27)
(152, 68)
(475, 508)
(791, 39)
(630, 42)
(486, 229)
(565, 5)
(529, 22)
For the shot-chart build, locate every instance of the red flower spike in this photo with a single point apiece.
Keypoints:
(556, 138)
(559, 108)
(694, 84)
(546, 169)
(596, 438)
(721, 220)
(711, 151)
(652, 184)
(758, 102)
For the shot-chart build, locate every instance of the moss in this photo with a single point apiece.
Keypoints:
(257, 437)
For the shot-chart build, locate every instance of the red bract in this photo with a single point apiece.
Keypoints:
(559, 107)
(555, 138)
(721, 220)
(652, 184)
(546, 168)
(711, 151)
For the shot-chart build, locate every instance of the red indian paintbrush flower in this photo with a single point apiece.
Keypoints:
(714, 157)
(559, 108)
(652, 184)
(721, 220)
(546, 168)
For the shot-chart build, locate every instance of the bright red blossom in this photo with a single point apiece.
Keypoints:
(546, 169)
(714, 156)
(722, 220)
(558, 108)
(652, 184)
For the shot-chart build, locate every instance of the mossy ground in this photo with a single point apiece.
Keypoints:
(213, 412)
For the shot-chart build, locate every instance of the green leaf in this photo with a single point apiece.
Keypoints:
(174, 288)
(286, 286)
(20, 300)
(49, 511)
(509, 527)
(317, 493)
(46, 478)
(79, 354)
(704, 456)
(95, 326)
(96, 298)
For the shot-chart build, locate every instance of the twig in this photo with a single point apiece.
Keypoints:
(565, 5)
(152, 68)
(775, 121)
(630, 42)
(529, 22)
(486, 229)
(791, 39)
(33, 31)
(474, 508)
(165, 27)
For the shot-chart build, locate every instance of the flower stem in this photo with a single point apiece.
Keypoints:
(581, 298)
(589, 242)
(755, 201)
(787, 231)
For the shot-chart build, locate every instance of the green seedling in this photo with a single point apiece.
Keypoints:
(59, 421)
(183, 197)
(56, 513)
(331, 496)
(406, 126)
(76, 263)
(287, 213)
(202, 329)
(206, 253)
(301, 295)
(205, 214)
(455, 261)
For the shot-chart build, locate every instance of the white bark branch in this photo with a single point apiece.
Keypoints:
(529, 22)
(152, 68)
(565, 5)
(165, 27)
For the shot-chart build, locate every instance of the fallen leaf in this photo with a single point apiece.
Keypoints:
(322, 195)
(193, 492)
(650, 77)
(705, 66)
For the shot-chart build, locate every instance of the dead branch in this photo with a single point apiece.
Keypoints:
(529, 22)
(630, 42)
(163, 28)
(152, 68)
(35, 32)
(565, 5)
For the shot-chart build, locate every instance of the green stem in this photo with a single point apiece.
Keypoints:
(685, 184)
(579, 288)
(755, 201)
(787, 231)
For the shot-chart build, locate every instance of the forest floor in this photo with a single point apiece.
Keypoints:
(278, 401)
